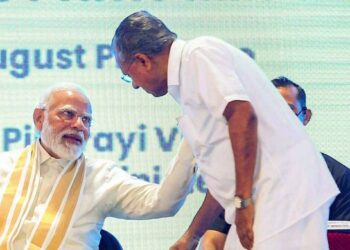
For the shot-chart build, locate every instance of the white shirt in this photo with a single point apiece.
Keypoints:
(291, 179)
(108, 191)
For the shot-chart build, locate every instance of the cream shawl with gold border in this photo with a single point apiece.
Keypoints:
(17, 199)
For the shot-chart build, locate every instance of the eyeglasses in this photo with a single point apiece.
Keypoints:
(71, 115)
(302, 111)
(125, 77)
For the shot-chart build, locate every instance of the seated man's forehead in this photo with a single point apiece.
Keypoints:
(70, 99)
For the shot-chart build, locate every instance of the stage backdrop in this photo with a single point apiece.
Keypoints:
(45, 42)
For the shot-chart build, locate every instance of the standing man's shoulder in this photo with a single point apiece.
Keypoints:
(206, 42)
(212, 50)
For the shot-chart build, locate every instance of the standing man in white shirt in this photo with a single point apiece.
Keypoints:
(250, 148)
(295, 96)
(53, 197)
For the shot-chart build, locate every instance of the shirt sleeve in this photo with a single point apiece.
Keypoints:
(138, 199)
(213, 69)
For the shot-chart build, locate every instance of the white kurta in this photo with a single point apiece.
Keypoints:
(108, 191)
(291, 178)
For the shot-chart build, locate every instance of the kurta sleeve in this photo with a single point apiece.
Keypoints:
(132, 198)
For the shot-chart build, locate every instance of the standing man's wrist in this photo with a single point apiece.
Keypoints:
(240, 202)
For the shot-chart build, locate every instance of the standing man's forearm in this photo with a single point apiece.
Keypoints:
(242, 125)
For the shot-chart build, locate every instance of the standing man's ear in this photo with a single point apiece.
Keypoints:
(307, 116)
(38, 118)
(144, 60)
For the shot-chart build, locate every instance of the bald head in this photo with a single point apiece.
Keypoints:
(64, 86)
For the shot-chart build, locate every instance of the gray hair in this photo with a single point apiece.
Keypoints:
(46, 96)
(141, 32)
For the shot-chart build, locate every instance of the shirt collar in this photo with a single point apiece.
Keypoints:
(174, 62)
(174, 67)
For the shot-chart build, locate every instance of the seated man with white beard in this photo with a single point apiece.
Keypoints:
(52, 196)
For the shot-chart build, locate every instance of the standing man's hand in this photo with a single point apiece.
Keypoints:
(244, 226)
(243, 132)
(186, 242)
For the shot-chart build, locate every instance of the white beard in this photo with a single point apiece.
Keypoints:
(54, 142)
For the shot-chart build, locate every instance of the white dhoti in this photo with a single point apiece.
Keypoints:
(309, 233)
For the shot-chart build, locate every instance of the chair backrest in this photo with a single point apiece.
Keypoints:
(338, 240)
(109, 242)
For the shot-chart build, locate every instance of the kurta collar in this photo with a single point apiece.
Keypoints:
(44, 156)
